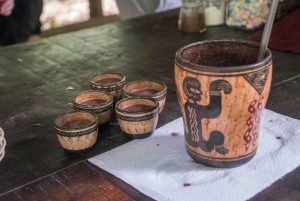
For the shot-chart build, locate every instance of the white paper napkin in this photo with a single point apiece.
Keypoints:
(159, 166)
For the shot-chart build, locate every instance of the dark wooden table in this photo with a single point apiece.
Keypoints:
(39, 79)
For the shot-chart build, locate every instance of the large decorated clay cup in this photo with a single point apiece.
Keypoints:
(222, 91)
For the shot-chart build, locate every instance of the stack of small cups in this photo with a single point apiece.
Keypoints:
(137, 113)
(77, 131)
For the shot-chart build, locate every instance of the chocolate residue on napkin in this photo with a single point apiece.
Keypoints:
(174, 134)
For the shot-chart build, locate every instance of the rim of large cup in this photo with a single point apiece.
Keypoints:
(240, 68)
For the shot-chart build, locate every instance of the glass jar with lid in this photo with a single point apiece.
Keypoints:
(191, 16)
(247, 14)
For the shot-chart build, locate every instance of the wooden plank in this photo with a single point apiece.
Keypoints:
(77, 182)
(283, 98)
(137, 195)
(95, 8)
(283, 189)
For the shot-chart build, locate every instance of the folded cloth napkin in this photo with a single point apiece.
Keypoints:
(285, 34)
(160, 167)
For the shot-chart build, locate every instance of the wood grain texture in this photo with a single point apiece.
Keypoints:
(39, 80)
(78, 182)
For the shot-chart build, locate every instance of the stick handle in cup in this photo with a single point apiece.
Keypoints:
(267, 30)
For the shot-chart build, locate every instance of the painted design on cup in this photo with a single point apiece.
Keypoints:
(136, 119)
(253, 123)
(247, 136)
(195, 113)
(258, 79)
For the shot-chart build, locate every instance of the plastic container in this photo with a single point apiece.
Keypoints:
(247, 14)
(214, 11)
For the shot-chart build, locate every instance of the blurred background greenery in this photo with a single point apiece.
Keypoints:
(58, 13)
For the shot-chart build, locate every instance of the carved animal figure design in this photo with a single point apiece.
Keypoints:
(195, 113)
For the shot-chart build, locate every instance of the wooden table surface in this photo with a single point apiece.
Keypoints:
(39, 79)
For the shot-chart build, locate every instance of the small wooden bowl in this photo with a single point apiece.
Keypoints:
(77, 131)
(137, 116)
(100, 103)
(109, 82)
(147, 88)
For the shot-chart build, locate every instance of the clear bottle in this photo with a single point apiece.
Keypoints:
(191, 17)
(214, 11)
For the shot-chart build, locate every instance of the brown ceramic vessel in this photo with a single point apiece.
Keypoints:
(222, 91)
(100, 103)
(77, 131)
(147, 88)
(137, 116)
(109, 82)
